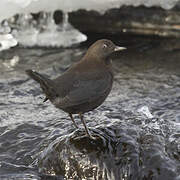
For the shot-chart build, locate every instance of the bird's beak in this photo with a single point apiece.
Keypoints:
(118, 48)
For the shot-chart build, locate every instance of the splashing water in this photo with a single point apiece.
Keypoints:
(145, 111)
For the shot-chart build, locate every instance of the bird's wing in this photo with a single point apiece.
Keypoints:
(46, 84)
(86, 90)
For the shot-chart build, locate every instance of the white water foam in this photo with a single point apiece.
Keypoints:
(145, 111)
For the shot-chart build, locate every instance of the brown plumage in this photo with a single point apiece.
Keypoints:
(85, 85)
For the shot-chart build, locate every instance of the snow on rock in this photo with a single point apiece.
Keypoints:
(10, 7)
(54, 35)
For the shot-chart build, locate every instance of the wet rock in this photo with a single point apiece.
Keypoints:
(129, 20)
(77, 157)
(118, 152)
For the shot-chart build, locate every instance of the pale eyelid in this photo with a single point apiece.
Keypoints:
(105, 45)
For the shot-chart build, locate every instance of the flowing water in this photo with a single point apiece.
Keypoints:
(137, 127)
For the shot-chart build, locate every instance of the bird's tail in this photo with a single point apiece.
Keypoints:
(45, 83)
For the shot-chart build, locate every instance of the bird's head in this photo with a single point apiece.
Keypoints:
(103, 48)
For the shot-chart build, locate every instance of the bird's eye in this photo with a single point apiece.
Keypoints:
(104, 46)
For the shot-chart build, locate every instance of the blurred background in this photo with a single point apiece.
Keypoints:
(138, 125)
(40, 23)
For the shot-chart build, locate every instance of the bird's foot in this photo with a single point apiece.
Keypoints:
(91, 137)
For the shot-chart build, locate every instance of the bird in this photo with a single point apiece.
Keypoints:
(85, 85)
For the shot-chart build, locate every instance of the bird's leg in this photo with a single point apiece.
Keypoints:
(73, 120)
(82, 120)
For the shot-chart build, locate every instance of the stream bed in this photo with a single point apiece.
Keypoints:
(138, 126)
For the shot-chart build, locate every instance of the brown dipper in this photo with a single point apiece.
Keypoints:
(85, 85)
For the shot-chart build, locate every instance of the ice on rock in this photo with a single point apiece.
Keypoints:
(9, 8)
(50, 34)
(7, 41)
(99, 5)
(46, 32)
